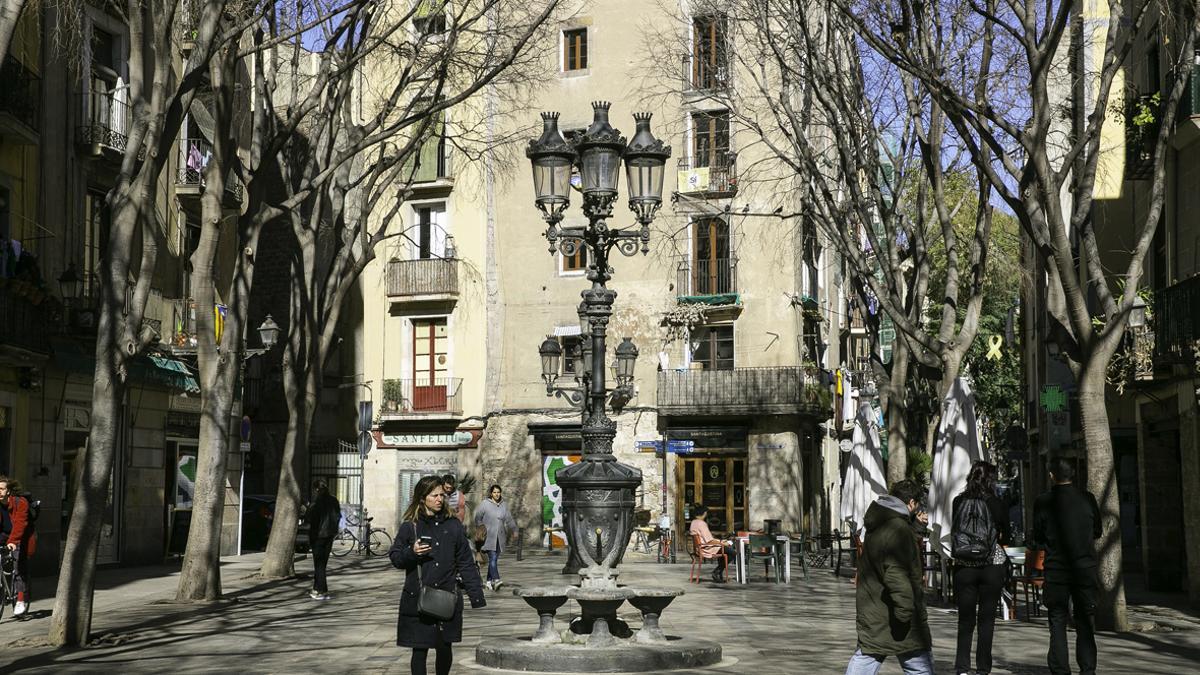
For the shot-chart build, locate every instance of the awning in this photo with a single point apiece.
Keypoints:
(718, 299)
(564, 331)
(154, 369)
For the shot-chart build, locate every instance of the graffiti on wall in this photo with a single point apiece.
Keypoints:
(552, 499)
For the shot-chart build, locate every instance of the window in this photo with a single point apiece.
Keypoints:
(709, 59)
(95, 241)
(431, 161)
(712, 259)
(575, 49)
(575, 263)
(428, 233)
(713, 347)
(710, 139)
(430, 17)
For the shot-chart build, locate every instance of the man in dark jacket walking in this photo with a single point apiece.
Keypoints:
(1066, 523)
(890, 605)
(323, 517)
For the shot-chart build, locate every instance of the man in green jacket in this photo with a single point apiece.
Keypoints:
(890, 606)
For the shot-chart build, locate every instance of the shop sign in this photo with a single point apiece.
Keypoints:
(455, 439)
(711, 437)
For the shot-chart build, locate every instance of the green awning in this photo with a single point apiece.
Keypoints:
(154, 369)
(718, 299)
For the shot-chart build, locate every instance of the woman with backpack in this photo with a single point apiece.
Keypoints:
(979, 531)
(431, 547)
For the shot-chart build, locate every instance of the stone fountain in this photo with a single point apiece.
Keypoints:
(598, 491)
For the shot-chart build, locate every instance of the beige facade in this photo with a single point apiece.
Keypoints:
(741, 384)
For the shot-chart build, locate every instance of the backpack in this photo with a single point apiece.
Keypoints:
(973, 534)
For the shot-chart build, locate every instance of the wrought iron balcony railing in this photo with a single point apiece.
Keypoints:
(777, 390)
(194, 156)
(706, 277)
(709, 176)
(20, 93)
(1177, 320)
(422, 277)
(106, 120)
(422, 396)
(700, 74)
(1189, 105)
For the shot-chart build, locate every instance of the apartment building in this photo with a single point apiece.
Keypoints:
(732, 321)
(63, 132)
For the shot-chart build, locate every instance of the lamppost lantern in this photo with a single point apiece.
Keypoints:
(600, 149)
(268, 332)
(1137, 315)
(645, 162)
(552, 158)
(627, 354)
(551, 353)
(69, 283)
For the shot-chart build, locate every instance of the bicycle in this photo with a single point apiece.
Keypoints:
(377, 540)
(8, 579)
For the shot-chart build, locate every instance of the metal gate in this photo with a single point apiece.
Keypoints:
(341, 466)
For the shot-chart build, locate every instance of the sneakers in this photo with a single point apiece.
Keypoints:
(488, 585)
(497, 584)
(21, 608)
(317, 596)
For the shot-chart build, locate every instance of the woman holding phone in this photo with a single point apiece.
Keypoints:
(432, 548)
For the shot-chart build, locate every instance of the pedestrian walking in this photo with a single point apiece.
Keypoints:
(889, 603)
(323, 517)
(499, 525)
(978, 533)
(456, 501)
(432, 548)
(18, 535)
(1066, 523)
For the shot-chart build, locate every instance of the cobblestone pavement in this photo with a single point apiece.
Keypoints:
(273, 627)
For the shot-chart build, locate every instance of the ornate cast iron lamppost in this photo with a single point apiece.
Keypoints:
(598, 492)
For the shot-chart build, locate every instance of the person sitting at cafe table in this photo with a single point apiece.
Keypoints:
(709, 546)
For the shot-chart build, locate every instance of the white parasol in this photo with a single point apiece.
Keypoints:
(864, 480)
(956, 449)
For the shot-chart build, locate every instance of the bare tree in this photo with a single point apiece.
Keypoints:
(1033, 132)
(158, 97)
(369, 159)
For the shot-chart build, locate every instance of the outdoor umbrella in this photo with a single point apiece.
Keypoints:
(864, 480)
(957, 448)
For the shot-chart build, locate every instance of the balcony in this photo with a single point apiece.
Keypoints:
(705, 76)
(424, 280)
(709, 179)
(787, 390)
(701, 280)
(20, 103)
(1140, 139)
(25, 320)
(194, 156)
(1177, 322)
(427, 398)
(1189, 105)
(106, 122)
(181, 334)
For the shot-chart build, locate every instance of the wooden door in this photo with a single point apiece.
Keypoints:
(718, 482)
(430, 365)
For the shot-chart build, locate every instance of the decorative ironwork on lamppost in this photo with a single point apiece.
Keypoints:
(598, 491)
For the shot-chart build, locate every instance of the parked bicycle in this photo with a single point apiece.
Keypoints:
(8, 580)
(367, 540)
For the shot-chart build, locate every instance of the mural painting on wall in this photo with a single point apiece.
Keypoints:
(552, 499)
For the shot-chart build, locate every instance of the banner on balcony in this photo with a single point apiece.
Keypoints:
(219, 312)
(552, 514)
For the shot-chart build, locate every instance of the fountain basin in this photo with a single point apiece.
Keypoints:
(622, 657)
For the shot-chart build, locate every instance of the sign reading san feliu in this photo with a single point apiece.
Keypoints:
(428, 440)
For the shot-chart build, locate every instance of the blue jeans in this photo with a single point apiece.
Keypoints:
(913, 663)
(493, 565)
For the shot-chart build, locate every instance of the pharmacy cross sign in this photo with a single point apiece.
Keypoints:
(1054, 399)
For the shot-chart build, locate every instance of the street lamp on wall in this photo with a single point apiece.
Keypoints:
(551, 353)
(627, 354)
(1137, 315)
(70, 284)
(268, 332)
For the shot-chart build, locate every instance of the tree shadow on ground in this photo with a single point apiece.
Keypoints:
(166, 627)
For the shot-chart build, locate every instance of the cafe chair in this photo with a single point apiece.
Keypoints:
(1027, 583)
(642, 530)
(762, 547)
(698, 555)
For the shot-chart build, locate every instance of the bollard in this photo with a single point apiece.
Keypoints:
(520, 544)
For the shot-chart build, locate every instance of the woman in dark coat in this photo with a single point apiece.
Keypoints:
(443, 558)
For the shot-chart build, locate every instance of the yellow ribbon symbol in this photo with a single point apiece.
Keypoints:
(994, 344)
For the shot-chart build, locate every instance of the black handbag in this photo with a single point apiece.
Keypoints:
(434, 603)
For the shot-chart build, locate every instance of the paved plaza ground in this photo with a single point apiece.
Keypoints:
(273, 627)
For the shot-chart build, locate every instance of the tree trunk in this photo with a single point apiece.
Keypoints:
(71, 622)
(301, 405)
(895, 402)
(10, 13)
(1102, 482)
